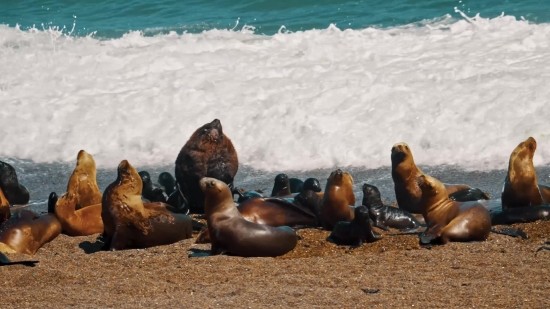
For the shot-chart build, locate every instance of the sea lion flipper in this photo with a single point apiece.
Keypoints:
(197, 226)
(380, 226)
(357, 244)
(510, 232)
(4, 261)
(119, 240)
(286, 203)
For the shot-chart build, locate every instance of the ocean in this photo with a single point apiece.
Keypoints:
(301, 87)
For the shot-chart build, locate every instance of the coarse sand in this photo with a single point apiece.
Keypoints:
(395, 272)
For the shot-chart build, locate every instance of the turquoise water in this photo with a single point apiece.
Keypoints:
(112, 19)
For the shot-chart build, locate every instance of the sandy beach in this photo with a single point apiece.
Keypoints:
(395, 272)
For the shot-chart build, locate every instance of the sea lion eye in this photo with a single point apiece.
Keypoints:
(211, 183)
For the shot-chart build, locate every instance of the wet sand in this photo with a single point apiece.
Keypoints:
(395, 272)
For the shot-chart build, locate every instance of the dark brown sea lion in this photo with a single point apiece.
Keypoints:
(151, 191)
(281, 186)
(404, 174)
(15, 192)
(273, 212)
(82, 222)
(4, 208)
(521, 188)
(448, 220)
(356, 232)
(208, 153)
(386, 216)
(4, 261)
(25, 232)
(84, 177)
(168, 182)
(231, 234)
(129, 224)
(338, 198)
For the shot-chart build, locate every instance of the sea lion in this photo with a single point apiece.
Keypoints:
(337, 199)
(84, 177)
(449, 220)
(386, 216)
(312, 184)
(281, 186)
(25, 232)
(246, 195)
(129, 224)
(4, 208)
(15, 192)
(272, 211)
(404, 174)
(521, 188)
(355, 232)
(4, 261)
(295, 185)
(82, 222)
(152, 192)
(167, 181)
(520, 215)
(230, 233)
(207, 153)
(178, 201)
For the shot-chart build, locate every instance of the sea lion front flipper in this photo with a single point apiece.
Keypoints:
(357, 244)
(4, 261)
(119, 240)
(381, 226)
(430, 234)
(510, 232)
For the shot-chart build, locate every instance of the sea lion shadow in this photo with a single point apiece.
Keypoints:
(91, 247)
(196, 253)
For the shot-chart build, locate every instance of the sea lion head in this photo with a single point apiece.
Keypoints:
(282, 179)
(207, 135)
(371, 196)
(86, 162)
(361, 213)
(521, 159)
(432, 190)
(339, 178)
(167, 181)
(400, 152)
(217, 195)
(128, 179)
(146, 179)
(312, 184)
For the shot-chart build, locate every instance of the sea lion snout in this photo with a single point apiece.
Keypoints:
(207, 183)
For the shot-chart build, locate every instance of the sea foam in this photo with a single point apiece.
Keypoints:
(462, 92)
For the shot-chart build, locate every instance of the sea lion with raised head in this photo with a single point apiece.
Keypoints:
(337, 199)
(521, 188)
(207, 153)
(231, 234)
(152, 191)
(129, 224)
(448, 220)
(84, 177)
(384, 216)
(356, 232)
(25, 231)
(404, 175)
(16, 193)
(281, 186)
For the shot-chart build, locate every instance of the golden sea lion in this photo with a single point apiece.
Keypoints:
(230, 233)
(337, 199)
(129, 224)
(84, 175)
(404, 174)
(521, 188)
(448, 220)
(82, 222)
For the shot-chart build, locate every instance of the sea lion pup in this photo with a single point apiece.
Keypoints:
(5, 212)
(15, 192)
(337, 199)
(152, 192)
(404, 173)
(230, 233)
(520, 186)
(207, 153)
(128, 224)
(167, 181)
(281, 187)
(386, 216)
(355, 232)
(84, 177)
(25, 231)
(82, 222)
(4, 261)
(449, 220)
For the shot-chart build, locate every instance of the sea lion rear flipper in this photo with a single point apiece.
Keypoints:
(430, 234)
(510, 232)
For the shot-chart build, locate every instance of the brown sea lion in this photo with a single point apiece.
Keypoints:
(129, 224)
(273, 212)
(16, 193)
(25, 232)
(84, 177)
(82, 222)
(231, 234)
(521, 188)
(207, 153)
(404, 174)
(4, 208)
(448, 220)
(337, 199)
